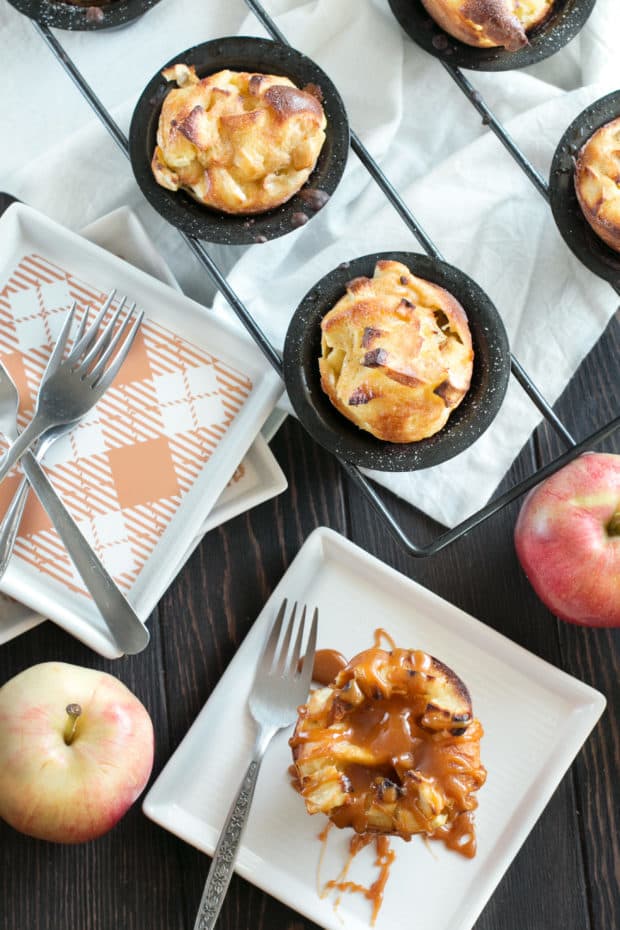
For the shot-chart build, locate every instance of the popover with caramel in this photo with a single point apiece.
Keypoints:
(397, 354)
(391, 746)
(237, 142)
(489, 23)
(597, 182)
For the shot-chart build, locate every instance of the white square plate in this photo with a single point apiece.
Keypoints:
(257, 479)
(15, 618)
(535, 719)
(226, 382)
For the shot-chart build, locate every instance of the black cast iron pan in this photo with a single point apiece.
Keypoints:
(193, 218)
(467, 422)
(575, 229)
(563, 23)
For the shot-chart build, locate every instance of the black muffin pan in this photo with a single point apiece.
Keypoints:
(332, 430)
(562, 24)
(195, 219)
(83, 18)
(575, 229)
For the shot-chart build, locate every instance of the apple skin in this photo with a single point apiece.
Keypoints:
(70, 793)
(568, 545)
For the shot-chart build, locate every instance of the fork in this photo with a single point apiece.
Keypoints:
(71, 386)
(280, 686)
(11, 522)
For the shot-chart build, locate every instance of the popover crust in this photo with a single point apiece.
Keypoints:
(235, 141)
(397, 354)
(391, 746)
(597, 182)
(489, 23)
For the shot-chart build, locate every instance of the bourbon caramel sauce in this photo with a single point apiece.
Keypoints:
(398, 726)
(327, 664)
(380, 635)
(384, 857)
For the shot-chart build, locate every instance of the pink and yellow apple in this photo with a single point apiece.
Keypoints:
(567, 538)
(76, 750)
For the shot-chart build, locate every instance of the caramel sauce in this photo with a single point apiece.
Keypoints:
(460, 835)
(398, 728)
(327, 664)
(380, 635)
(384, 858)
(295, 782)
(407, 765)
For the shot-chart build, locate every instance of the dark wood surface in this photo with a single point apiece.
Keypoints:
(139, 877)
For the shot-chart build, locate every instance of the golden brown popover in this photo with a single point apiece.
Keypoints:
(597, 182)
(397, 354)
(392, 747)
(488, 23)
(235, 141)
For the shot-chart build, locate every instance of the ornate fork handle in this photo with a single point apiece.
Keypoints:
(225, 854)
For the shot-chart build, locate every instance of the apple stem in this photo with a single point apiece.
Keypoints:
(73, 712)
(613, 527)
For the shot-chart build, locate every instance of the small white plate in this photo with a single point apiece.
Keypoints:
(144, 469)
(535, 718)
(258, 479)
(15, 618)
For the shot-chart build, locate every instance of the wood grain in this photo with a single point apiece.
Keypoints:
(139, 877)
(593, 655)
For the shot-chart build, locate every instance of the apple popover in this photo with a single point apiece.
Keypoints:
(237, 142)
(597, 182)
(488, 23)
(391, 746)
(397, 354)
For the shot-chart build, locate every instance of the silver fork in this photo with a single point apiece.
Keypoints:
(71, 386)
(11, 522)
(280, 686)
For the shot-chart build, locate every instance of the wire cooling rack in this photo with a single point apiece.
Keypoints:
(199, 249)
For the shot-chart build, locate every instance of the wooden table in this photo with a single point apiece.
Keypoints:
(140, 877)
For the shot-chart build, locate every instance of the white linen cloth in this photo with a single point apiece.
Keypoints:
(476, 204)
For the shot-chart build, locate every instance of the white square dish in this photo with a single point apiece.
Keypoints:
(15, 618)
(257, 479)
(535, 718)
(228, 386)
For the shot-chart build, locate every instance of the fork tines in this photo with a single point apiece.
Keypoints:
(279, 658)
(93, 347)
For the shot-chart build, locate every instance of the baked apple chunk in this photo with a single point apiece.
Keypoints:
(391, 746)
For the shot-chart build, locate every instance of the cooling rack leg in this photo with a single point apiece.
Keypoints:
(491, 120)
(480, 516)
(536, 397)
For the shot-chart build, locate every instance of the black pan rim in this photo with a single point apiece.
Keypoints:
(577, 233)
(341, 437)
(558, 29)
(74, 18)
(251, 54)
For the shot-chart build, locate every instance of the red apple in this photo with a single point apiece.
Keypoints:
(76, 750)
(568, 540)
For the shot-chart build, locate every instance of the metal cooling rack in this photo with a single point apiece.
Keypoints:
(273, 356)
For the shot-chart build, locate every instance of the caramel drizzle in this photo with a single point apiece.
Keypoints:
(380, 635)
(384, 859)
(456, 765)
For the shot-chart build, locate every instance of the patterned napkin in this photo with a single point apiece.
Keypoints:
(123, 469)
